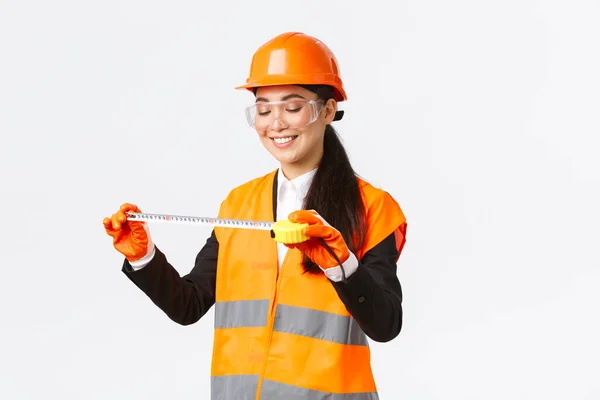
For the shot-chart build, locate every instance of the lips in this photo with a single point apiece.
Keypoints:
(284, 140)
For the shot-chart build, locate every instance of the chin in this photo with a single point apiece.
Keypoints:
(284, 159)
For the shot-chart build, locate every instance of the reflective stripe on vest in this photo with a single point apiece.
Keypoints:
(243, 387)
(290, 319)
(240, 314)
(233, 387)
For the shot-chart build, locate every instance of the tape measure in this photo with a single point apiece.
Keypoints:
(284, 231)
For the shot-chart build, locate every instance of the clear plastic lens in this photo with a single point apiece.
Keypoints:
(289, 114)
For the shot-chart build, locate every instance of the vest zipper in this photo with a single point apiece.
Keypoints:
(271, 323)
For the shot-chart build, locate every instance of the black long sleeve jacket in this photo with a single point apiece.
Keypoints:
(372, 294)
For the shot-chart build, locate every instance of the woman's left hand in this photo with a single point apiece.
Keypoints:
(320, 229)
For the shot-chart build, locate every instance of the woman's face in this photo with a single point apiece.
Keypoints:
(282, 127)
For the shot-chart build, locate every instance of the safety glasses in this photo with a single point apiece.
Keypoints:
(293, 114)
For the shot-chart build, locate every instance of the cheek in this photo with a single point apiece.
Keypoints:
(262, 135)
(312, 137)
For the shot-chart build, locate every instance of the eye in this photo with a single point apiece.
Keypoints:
(262, 110)
(294, 107)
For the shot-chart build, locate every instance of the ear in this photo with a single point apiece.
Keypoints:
(329, 109)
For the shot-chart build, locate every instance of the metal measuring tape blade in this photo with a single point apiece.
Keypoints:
(283, 231)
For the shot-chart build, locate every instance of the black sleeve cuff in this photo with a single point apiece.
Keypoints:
(356, 292)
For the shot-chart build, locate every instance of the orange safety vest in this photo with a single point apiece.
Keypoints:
(287, 335)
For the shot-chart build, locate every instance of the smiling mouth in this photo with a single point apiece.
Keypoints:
(284, 140)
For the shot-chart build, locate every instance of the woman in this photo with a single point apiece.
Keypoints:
(291, 321)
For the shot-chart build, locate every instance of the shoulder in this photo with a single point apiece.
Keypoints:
(383, 214)
(379, 202)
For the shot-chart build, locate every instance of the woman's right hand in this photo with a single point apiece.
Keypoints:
(130, 238)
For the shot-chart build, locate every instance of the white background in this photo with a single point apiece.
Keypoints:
(480, 118)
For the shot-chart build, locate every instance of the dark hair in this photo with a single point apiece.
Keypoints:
(334, 192)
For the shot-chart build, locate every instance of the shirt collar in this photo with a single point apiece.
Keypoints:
(300, 184)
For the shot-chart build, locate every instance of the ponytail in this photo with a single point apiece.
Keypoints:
(334, 193)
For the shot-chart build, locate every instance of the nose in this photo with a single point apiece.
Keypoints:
(278, 125)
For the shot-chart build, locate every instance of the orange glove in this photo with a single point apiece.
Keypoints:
(130, 238)
(322, 238)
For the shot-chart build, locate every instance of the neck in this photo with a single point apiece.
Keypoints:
(301, 167)
(292, 171)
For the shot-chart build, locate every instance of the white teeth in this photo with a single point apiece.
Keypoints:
(283, 140)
